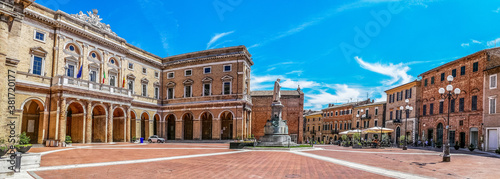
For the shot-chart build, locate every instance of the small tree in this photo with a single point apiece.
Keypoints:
(344, 137)
(355, 137)
(402, 139)
(24, 139)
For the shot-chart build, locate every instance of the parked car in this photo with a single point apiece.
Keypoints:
(156, 139)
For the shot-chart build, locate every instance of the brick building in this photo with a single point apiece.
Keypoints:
(466, 110)
(369, 115)
(80, 79)
(312, 127)
(293, 100)
(396, 118)
(491, 115)
(339, 118)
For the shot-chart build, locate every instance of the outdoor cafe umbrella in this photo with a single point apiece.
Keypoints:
(375, 130)
(344, 133)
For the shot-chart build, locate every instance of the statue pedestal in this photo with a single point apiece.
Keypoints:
(276, 129)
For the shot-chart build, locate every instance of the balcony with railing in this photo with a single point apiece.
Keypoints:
(66, 81)
(366, 116)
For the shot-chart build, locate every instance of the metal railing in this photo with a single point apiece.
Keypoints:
(79, 83)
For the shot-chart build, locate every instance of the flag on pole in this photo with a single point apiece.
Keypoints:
(104, 76)
(79, 75)
(123, 84)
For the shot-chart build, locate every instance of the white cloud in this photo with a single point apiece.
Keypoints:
(217, 37)
(397, 72)
(493, 43)
(298, 72)
(476, 41)
(464, 44)
(267, 82)
(343, 94)
(497, 11)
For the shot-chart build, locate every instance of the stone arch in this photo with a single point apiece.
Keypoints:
(99, 115)
(187, 120)
(170, 122)
(206, 120)
(98, 52)
(156, 120)
(32, 121)
(145, 116)
(133, 121)
(119, 121)
(74, 43)
(227, 110)
(75, 114)
(36, 99)
(226, 119)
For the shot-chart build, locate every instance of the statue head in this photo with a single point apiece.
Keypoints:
(278, 80)
(94, 11)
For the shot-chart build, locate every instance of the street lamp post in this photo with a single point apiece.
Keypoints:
(448, 94)
(408, 109)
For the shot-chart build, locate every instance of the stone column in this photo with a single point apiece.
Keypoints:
(42, 134)
(88, 124)
(179, 130)
(216, 129)
(196, 129)
(109, 131)
(62, 122)
(127, 129)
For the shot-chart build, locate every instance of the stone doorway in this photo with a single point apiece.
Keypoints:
(474, 136)
(206, 125)
(32, 120)
(99, 118)
(226, 125)
(439, 135)
(145, 125)
(462, 139)
(74, 122)
(118, 125)
(171, 127)
(188, 126)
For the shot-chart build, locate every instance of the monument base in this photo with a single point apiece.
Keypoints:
(276, 140)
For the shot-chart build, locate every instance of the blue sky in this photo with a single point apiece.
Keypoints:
(336, 50)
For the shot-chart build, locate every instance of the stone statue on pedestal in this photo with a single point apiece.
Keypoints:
(276, 129)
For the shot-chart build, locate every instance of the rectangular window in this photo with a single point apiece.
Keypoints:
(170, 75)
(441, 107)
(207, 70)
(157, 75)
(397, 114)
(397, 99)
(70, 71)
(493, 81)
(376, 111)
(39, 36)
(424, 110)
(475, 66)
(187, 91)
(227, 68)
(462, 70)
(170, 93)
(400, 114)
(493, 104)
(227, 87)
(452, 105)
(93, 75)
(431, 109)
(144, 70)
(157, 93)
(130, 66)
(454, 72)
(206, 89)
(461, 122)
(432, 80)
(131, 86)
(442, 76)
(390, 115)
(410, 94)
(425, 82)
(144, 89)
(37, 65)
(390, 98)
(393, 96)
(461, 102)
(112, 81)
(474, 103)
(188, 73)
(376, 123)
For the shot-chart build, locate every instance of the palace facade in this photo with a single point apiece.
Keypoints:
(75, 77)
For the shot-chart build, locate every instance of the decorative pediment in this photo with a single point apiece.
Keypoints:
(170, 84)
(94, 65)
(94, 60)
(144, 80)
(475, 90)
(71, 59)
(131, 76)
(113, 71)
(432, 99)
(188, 82)
(207, 80)
(156, 84)
(93, 19)
(38, 51)
(227, 78)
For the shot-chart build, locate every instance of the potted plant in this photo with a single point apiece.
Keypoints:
(133, 140)
(24, 143)
(498, 150)
(456, 146)
(68, 141)
(472, 147)
(3, 147)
